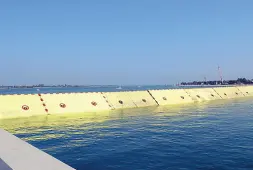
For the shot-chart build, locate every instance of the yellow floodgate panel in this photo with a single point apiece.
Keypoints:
(246, 90)
(120, 100)
(228, 92)
(203, 94)
(142, 98)
(168, 97)
(75, 102)
(20, 106)
(12, 106)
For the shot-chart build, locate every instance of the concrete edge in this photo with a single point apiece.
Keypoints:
(20, 155)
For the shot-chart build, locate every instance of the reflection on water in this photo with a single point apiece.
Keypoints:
(37, 124)
(215, 135)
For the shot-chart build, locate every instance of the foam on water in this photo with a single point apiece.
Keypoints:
(216, 135)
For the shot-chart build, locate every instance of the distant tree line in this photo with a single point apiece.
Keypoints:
(225, 82)
(64, 85)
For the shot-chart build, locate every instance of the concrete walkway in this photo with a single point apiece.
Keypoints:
(19, 155)
(4, 166)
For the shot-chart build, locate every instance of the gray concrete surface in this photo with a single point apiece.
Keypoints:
(17, 154)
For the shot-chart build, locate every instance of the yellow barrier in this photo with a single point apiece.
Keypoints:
(120, 100)
(246, 90)
(130, 99)
(203, 94)
(42, 104)
(168, 97)
(20, 106)
(142, 98)
(228, 92)
(75, 102)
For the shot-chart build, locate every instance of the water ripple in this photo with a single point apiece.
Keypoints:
(216, 135)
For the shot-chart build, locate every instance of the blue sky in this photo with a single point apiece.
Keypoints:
(124, 42)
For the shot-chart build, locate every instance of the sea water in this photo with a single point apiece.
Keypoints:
(215, 135)
(108, 88)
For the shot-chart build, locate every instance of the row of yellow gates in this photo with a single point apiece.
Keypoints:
(52, 103)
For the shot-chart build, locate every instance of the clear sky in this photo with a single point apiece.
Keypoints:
(124, 42)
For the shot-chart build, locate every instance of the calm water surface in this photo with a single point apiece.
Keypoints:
(216, 135)
(89, 89)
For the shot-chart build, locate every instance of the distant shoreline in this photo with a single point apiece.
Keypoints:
(109, 86)
(221, 85)
(45, 87)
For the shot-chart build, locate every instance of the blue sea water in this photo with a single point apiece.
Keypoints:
(81, 89)
(216, 135)
(203, 136)
(89, 89)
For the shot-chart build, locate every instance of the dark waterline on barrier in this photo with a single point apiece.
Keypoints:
(215, 135)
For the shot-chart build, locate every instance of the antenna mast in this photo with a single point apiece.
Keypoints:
(220, 74)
